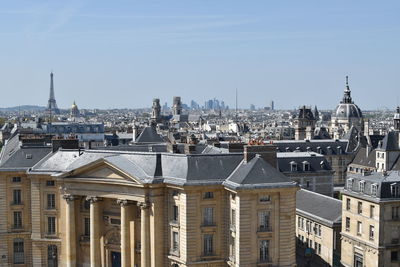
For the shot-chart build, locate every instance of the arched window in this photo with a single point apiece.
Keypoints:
(52, 256)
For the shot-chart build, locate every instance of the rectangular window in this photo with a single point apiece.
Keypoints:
(17, 197)
(264, 250)
(87, 227)
(233, 218)
(395, 213)
(263, 217)
(347, 224)
(308, 226)
(299, 222)
(51, 225)
(359, 228)
(319, 248)
(371, 211)
(359, 207)
(208, 244)
(208, 195)
(208, 216)
(175, 213)
(51, 201)
(18, 256)
(394, 256)
(349, 183)
(319, 230)
(265, 198)
(175, 241)
(17, 219)
(16, 179)
(348, 204)
(374, 189)
(371, 232)
(232, 250)
(395, 190)
(50, 183)
(362, 186)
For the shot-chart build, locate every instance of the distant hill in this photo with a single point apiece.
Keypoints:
(24, 108)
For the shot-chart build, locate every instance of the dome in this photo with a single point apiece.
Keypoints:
(74, 106)
(348, 110)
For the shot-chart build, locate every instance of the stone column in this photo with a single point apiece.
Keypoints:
(126, 217)
(133, 225)
(70, 232)
(157, 231)
(144, 234)
(95, 221)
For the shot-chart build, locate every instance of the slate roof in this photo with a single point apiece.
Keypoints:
(381, 180)
(362, 159)
(325, 147)
(14, 156)
(326, 210)
(149, 135)
(317, 162)
(257, 173)
(390, 142)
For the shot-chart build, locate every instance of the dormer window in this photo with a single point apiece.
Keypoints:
(374, 189)
(339, 148)
(395, 190)
(319, 149)
(362, 186)
(306, 166)
(350, 183)
(293, 166)
(287, 149)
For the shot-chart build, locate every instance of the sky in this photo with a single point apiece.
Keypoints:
(122, 54)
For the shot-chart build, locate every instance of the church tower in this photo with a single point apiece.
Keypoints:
(156, 110)
(304, 124)
(52, 104)
(176, 105)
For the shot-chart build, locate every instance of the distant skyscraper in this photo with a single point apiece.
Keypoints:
(252, 107)
(52, 104)
(272, 105)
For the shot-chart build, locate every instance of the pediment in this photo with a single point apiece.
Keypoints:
(102, 170)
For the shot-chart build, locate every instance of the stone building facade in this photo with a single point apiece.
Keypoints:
(110, 208)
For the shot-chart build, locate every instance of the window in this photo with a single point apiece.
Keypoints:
(232, 250)
(308, 184)
(302, 223)
(319, 249)
(359, 228)
(308, 226)
(50, 183)
(16, 179)
(395, 190)
(293, 166)
(175, 241)
(233, 218)
(208, 216)
(347, 224)
(264, 250)
(263, 217)
(265, 198)
(359, 207)
(347, 203)
(299, 222)
(52, 256)
(51, 201)
(362, 186)
(374, 189)
(87, 227)
(208, 244)
(371, 211)
(306, 166)
(17, 219)
(17, 197)
(349, 183)
(371, 232)
(18, 254)
(208, 195)
(175, 214)
(395, 213)
(51, 225)
(394, 256)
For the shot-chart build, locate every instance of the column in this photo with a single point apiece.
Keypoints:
(95, 221)
(157, 231)
(126, 217)
(70, 232)
(133, 225)
(144, 234)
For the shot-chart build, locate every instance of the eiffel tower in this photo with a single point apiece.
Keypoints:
(52, 104)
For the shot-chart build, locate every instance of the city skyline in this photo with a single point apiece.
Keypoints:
(100, 52)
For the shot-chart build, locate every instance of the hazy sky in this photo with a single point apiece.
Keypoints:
(124, 53)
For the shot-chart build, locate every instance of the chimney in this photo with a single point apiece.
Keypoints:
(190, 149)
(267, 152)
(235, 147)
(172, 148)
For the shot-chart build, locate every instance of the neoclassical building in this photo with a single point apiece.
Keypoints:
(69, 207)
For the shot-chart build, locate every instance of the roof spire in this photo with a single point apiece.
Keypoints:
(347, 80)
(347, 92)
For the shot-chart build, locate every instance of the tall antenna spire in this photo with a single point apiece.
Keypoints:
(236, 105)
(347, 80)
